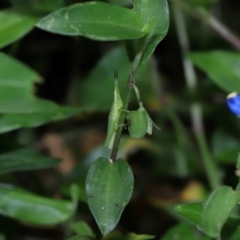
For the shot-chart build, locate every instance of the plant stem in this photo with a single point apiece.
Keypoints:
(130, 84)
(212, 22)
(195, 108)
(137, 93)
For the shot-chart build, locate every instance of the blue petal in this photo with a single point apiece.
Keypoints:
(233, 102)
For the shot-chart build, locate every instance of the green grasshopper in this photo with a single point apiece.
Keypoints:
(139, 121)
(114, 115)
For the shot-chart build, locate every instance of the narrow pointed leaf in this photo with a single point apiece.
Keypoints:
(222, 68)
(82, 228)
(21, 78)
(115, 235)
(191, 211)
(109, 188)
(9, 122)
(194, 211)
(217, 209)
(95, 20)
(15, 23)
(18, 104)
(184, 231)
(134, 236)
(25, 206)
(155, 15)
(25, 159)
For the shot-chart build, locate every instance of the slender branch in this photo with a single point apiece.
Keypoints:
(212, 22)
(130, 84)
(218, 27)
(195, 108)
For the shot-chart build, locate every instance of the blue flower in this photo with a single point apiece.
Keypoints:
(233, 102)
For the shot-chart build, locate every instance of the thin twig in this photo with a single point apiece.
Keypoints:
(212, 22)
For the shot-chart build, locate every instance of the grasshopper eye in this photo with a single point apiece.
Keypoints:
(128, 122)
(233, 102)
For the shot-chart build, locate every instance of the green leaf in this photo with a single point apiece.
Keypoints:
(82, 228)
(194, 211)
(191, 211)
(81, 190)
(222, 68)
(44, 5)
(109, 188)
(217, 209)
(21, 78)
(225, 147)
(155, 15)
(25, 159)
(95, 20)
(134, 236)
(184, 231)
(28, 207)
(131, 236)
(34, 117)
(2, 237)
(32, 114)
(20, 107)
(15, 23)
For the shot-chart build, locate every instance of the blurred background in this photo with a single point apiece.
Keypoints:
(168, 166)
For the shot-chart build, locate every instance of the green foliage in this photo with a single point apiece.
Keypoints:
(225, 147)
(155, 16)
(221, 67)
(25, 206)
(82, 228)
(19, 106)
(184, 231)
(95, 20)
(15, 23)
(109, 188)
(130, 236)
(214, 216)
(97, 176)
(24, 159)
(194, 212)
